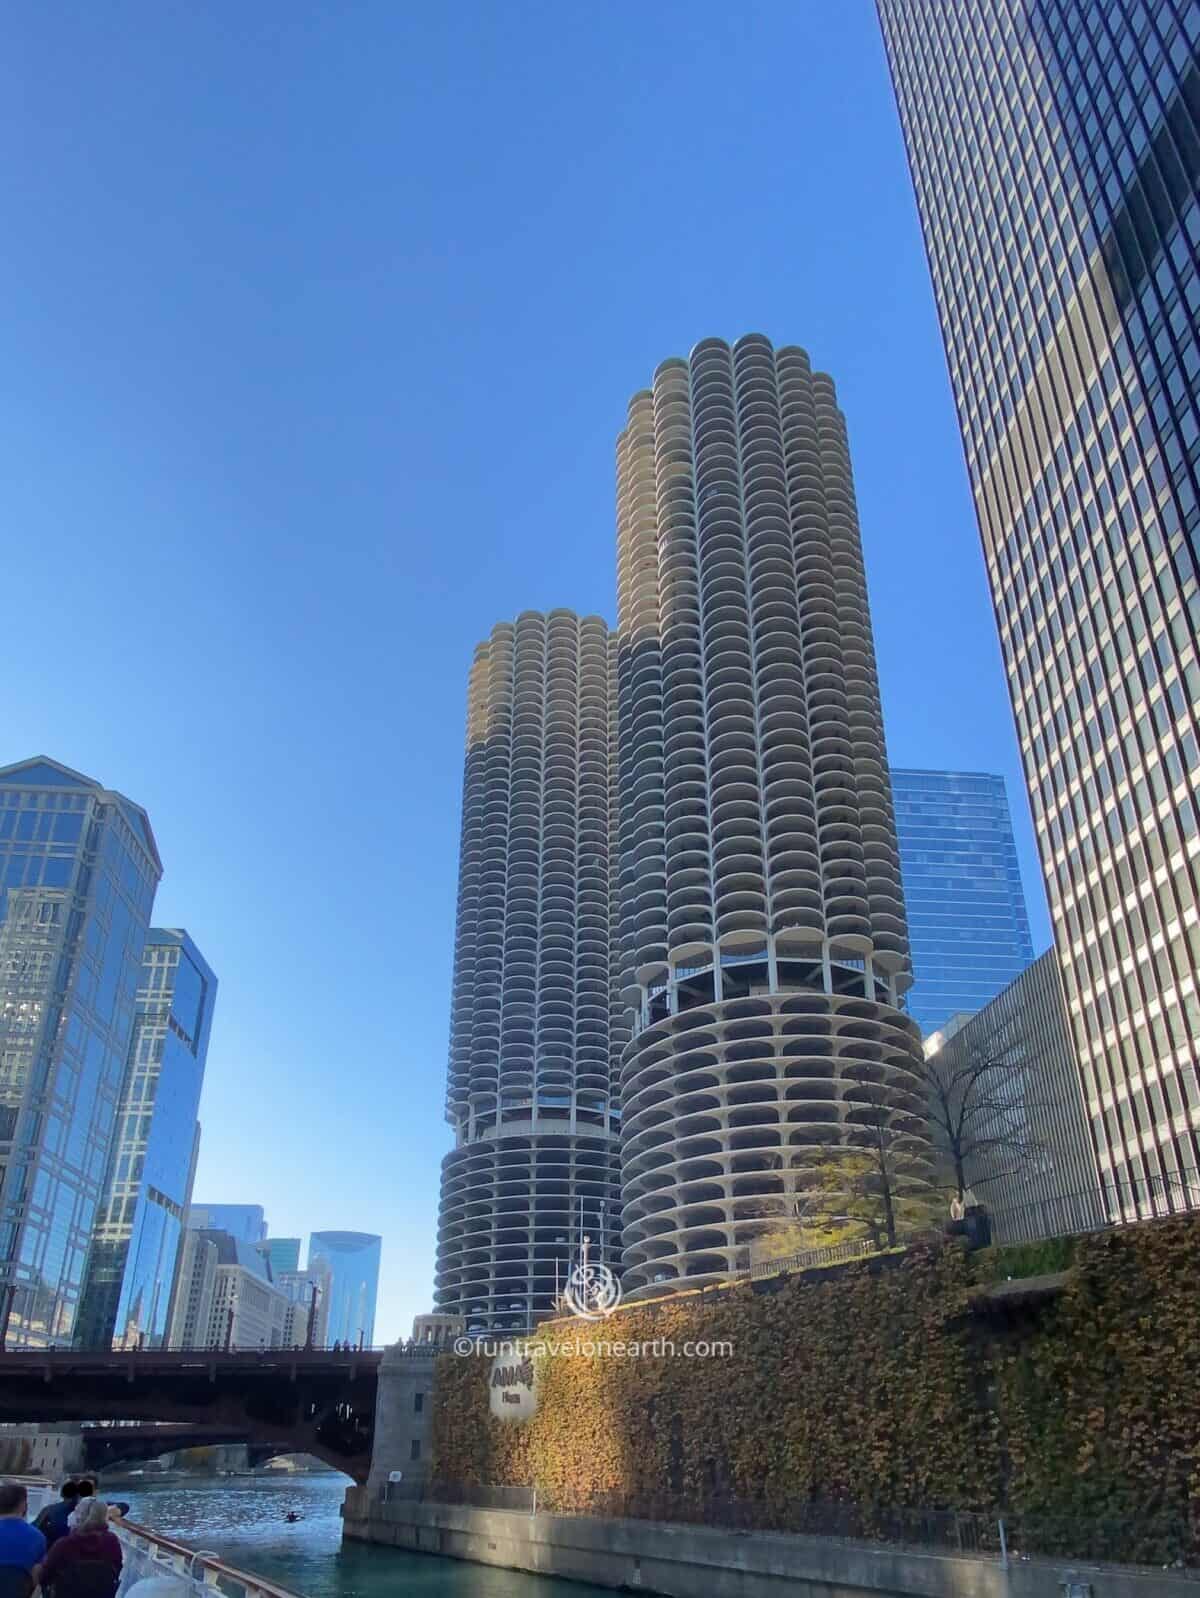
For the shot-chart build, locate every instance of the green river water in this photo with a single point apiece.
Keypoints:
(241, 1518)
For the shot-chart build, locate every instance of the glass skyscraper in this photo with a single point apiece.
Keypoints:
(140, 1224)
(968, 928)
(351, 1262)
(78, 872)
(1055, 152)
(246, 1222)
(282, 1254)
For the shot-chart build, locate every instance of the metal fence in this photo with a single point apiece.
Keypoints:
(1094, 1209)
(1169, 1536)
(1097, 1209)
(807, 1259)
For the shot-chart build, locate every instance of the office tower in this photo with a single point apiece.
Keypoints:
(140, 1222)
(225, 1298)
(530, 1096)
(762, 935)
(968, 929)
(78, 873)
(350, 1262)
(1032, 1160)
(246, 1222)
(192, 1300)
(307, 1293)
(1055, 150)
(282, 1254)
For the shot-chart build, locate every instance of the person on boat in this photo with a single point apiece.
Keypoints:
(87, 1562)
(22, 1546)
(85, 1490)
(52, 1522)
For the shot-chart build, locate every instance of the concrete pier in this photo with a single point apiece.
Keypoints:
(707, 1562)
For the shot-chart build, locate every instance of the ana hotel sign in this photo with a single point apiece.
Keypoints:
(512, 1391)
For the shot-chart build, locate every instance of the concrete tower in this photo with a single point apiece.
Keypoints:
(530, 1094)
(762, 937)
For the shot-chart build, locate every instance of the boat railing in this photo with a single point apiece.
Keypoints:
(148, 1553)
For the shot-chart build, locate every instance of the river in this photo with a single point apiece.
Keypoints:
(241, 1519)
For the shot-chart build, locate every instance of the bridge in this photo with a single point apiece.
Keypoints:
(129, 1443)
(302, 1401)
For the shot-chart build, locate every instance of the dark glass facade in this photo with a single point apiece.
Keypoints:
(351, 1262)
(968, 928)
(1055, 149)
(140, 1223)
(78, 873)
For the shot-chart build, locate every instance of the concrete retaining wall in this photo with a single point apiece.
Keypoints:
(703, 1562)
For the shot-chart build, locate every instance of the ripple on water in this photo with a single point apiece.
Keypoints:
(241, 1518)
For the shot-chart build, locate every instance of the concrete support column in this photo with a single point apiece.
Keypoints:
(400, 1421)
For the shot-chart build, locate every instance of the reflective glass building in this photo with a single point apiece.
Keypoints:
(968, 928)
(282, 1254)
(245, 1222)
(78, 872)
(1055, 152)
(139, 1225)
(351, 1262)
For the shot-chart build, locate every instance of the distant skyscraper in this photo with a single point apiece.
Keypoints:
(531, 1093)
(224, 1296)
(762, 938)
(307, 1293)
(351, 1262)
(967, 923)
(281, 1254)
(246, 1222)
(1055, 150)
(139, 1225)
(78, 873)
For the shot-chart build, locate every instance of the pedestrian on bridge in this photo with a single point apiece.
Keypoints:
(87, 1562)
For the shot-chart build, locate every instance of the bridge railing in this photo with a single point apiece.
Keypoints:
(146, 1553)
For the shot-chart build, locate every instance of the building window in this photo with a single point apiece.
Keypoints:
(415, 1451)
(418, 1403)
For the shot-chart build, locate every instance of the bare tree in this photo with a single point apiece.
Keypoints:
(981, 1113)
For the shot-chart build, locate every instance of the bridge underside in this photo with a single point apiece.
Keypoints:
(286, 1404)
(107, 1446)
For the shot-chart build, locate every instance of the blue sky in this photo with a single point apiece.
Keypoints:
(318, 324)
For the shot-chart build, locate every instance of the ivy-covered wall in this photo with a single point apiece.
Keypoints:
(877, 1383)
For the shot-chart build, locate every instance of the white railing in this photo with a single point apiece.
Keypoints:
(148, 1554)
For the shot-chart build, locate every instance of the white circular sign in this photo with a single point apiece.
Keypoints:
(592, 1291)
(512, 1387)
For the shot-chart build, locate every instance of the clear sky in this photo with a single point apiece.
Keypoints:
(318, 325)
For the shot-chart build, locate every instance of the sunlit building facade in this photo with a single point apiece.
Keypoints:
(1055, 152)
(140, 1223)
(534, 1023)
(762, 939)
(968, 927)
(78, 873)
(1031, 1159)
